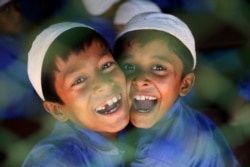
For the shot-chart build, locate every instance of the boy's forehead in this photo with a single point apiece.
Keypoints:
(139, 41)
(96, 49)
(82, 63)
(156, 46)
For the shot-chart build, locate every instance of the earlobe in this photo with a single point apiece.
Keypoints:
(187, 84)
(55, 111)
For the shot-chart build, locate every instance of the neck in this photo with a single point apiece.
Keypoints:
(111, 136)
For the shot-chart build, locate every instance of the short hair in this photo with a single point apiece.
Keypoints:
(71, 41)
(145, 36)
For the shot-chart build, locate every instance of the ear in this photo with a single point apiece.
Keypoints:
(187, 84)
(55, 110)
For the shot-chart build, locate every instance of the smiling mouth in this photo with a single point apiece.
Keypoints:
(144, 104)
(110, 106)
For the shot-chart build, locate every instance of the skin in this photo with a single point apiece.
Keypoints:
(153, 71)
(11, 20)
(86, 82)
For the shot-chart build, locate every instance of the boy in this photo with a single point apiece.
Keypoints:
(72, 69)
(13, 75)
(156, 51)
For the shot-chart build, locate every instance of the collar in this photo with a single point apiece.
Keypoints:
(96, 140)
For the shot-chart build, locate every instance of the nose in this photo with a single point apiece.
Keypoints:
(102, 84)
(140, 80)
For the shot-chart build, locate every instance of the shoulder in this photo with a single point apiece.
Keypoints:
(191, 131)
(197, 119)
(202, 127)
(209, 141)
(62, 149)
(58, 153)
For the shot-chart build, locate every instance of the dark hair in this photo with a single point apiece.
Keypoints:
(145, 36)
(71, 41)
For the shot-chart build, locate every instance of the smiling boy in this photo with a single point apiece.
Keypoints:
(156, 51)
(72, 69)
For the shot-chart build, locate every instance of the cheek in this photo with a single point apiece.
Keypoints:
(162, 83)
(167, 86)
(128, 91)
(119, 77)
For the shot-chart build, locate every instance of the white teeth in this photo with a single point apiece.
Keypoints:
(109, 102)
(151, 98)
(100, 108)
(114, 99)
(137, 97)
(142, 97)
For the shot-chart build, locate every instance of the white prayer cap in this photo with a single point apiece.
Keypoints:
(162, 22)
(3, 2)
(98, 7)
(39, 48)
(130, 8)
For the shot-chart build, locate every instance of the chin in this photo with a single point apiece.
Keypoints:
(121, 124)
(141, 123)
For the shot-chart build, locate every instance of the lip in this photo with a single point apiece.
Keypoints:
(110, 106)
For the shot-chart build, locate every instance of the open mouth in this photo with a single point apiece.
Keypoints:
(110, 106)
(144, 104)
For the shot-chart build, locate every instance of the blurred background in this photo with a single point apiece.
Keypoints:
(222, 90)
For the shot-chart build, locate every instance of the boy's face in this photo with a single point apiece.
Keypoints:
(93, 90)
(153, 80)
(11, 20)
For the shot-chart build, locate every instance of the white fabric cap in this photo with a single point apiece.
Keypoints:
(39, 48)
(130, 8)
(98, 7)
(2, 2)
(162, 22)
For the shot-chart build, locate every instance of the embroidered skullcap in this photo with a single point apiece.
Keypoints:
(130, 8)
(39, 48)
(3, 2)
(162, 22)
(98, 7)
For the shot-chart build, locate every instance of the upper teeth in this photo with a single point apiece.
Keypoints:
(142, 97)
(109, 102)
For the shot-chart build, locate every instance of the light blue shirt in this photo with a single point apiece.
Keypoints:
(183, 138)
(72, 146)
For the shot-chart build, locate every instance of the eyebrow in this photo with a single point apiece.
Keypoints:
(72, 70)
(104, 51)
(162, 57)
(124, 56)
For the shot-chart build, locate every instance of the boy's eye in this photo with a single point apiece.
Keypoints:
(79, 80)
(158, 68)
(128, 69)
(107, 65)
